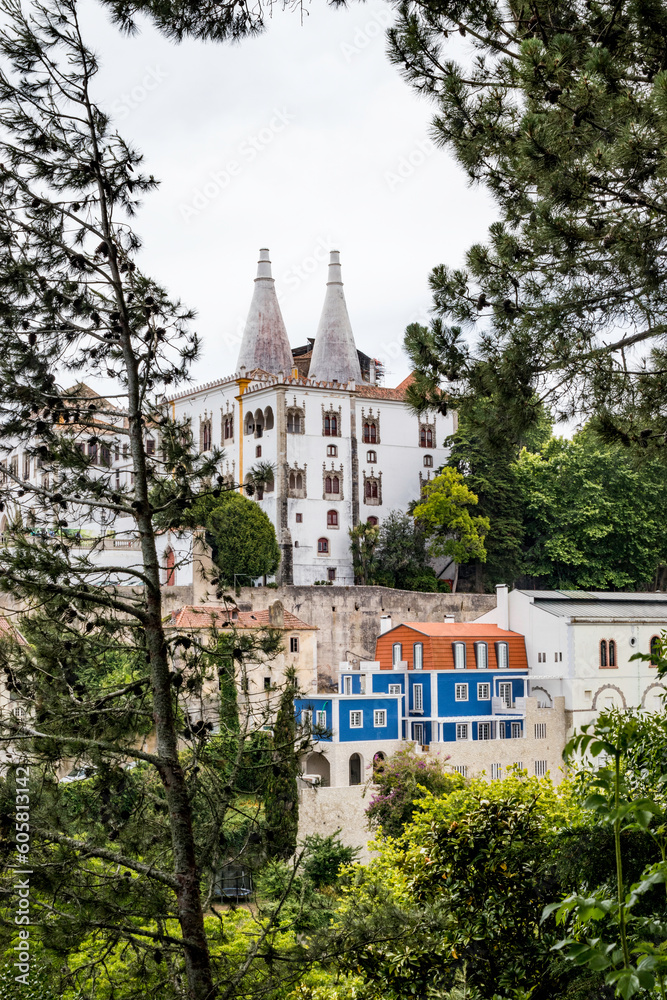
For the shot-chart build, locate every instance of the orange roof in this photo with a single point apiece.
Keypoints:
(221, 616)
(9, 631)
(453, 629)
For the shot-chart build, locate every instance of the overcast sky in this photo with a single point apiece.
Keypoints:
(303, 140)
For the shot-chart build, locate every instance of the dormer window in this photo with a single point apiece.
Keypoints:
(481, 655)
(502, 655)
(459, 650)
(396, 653)
(418, 656)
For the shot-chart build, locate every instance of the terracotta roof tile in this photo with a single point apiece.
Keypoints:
(9, 631)
(454, 629)
(219, 616)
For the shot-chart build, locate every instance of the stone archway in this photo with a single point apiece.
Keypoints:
(356, 766)
(537, 687)
(608, 687)
(317, 763)
(650, 688)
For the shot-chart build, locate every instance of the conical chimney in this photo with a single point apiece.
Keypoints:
(335, 357)
(265, 344)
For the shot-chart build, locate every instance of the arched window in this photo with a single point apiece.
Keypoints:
(332, 519)
(299, 481)
(603, 653)
(371, 489)
(334, 425)
(370, 432)
(323, 546)
(228, 428)
(371, 456)
(429, 437)
(268, 419)
(612, 653)
(170, 568)
(418, 656)
(249, 424)
(373, 521)
(396, 653)
(428, 461)
(292, 481)
(332, 450)
(295, 422)
(327, 485)
(459, 649)
(335, 484)
(327, 425)
(481, 655)
(422, 437)
(654, 649)
(355, 769)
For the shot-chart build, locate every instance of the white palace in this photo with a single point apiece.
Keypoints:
(343, 448)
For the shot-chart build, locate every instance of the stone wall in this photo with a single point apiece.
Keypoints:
(325, 810)
(349, 617)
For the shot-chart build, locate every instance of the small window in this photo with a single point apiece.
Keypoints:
(496, 772)
(502, 733)
(459, 649)
(396, 653)
(321, 719)
(394, 689)
(332, 519)
(654, 650)
(484, 692)
(379, 718)
(306, 717)
(258, 451)
(150, 446)
(603, 653)
(505, 693)
(481, 655)
(332, 450)
(418, 697)
(461, 692)
(347, 685)
(540, 730)
(462, 730)
(299, 518)
(428, 461)
(267, 683)
(612, 653)
(502, 655)
(483, 730)
(294, 644)
(461, 769)
(356, 720)
(516, 730)
(540, 768)
(418, 656)
(331, 574)
(323, 546)
(92, 452)
(371, 456)
(373, 521)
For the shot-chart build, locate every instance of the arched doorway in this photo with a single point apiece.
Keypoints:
(317, 763)
(355, 769)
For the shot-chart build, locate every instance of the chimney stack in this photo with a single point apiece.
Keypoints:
(335, 357)
(265, 344)
(276, 615)
(449, 619)
(503, 605)
(385, 624)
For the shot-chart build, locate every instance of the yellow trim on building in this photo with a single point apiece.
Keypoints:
(243, 384)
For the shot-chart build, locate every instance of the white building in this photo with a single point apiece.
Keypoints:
(343, 449)
(580, 645)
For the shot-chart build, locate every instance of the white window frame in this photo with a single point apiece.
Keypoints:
(321, 718)
(484, 727)
(502, 655)
(462, 730)
(516, 731)
(394, 689)
(396, 658)
(353, 715)
(496, 772)
(459, 651)
(379, 718)
(463, 689)
(418, 647)
(485, 686)
(482, 655)
(307, 717)
(416, 728)
(500, 728)
(418, 697)
(502, 687)
(347, 684)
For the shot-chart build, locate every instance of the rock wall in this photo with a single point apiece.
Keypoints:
(325, 810)
(349, 617)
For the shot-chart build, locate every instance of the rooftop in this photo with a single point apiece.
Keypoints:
(462, 630)
(600, 605)
(225, 616)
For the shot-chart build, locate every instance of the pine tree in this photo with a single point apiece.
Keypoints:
(130, 854)
(281, 800)
(560, 110)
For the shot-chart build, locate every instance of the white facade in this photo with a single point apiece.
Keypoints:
(342, 452)
(569, 637)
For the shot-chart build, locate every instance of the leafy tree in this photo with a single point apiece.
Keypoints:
(560, 111)
(402, 558)
(400, 783)
(242, 538)
(363, 543)
(443, 514)
(592, 520)
(281, 799)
